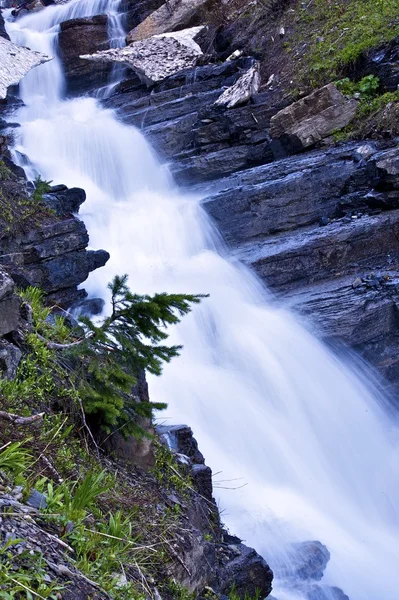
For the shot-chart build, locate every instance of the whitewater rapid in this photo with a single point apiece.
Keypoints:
(271, 407)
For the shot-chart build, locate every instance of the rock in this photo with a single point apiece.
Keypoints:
(156, 58)
(37, 500)
(65, 201)
(309, 120)
(318, 592)
(381, 61)
(180, 439)
(172, 16)
(10, 357)
(9, 305)
(243, 90)
(88, 307)
(383, 170)
(3, 32)
(53, 257)
(249, 573)
(202, 480)
(305, 256)
(84, 36)
(308, 560)
(15, 62)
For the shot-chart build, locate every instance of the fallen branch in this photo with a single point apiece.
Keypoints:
(57, 346)
(18, 420)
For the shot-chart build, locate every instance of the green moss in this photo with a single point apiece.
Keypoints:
(341, 31)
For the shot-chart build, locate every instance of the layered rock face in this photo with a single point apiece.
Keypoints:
(320, 228)
(43, 243)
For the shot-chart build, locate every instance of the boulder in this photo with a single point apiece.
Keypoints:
(172, 16)
(309, 120)
(156, 58)
(15, 62)
(308, 560)
(65, 201)
(248, 573)
(10, 357)
(84, 36)
(243, 90)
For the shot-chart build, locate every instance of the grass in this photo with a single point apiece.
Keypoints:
(338, 32)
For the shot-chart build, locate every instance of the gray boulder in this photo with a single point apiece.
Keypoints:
(156, 58)
(309, 560)
(309, 120)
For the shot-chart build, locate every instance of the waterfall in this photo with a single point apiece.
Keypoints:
(271, 407)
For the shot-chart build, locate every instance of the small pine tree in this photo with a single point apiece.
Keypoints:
(130, 340)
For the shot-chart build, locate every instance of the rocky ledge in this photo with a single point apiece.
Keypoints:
(43, 243)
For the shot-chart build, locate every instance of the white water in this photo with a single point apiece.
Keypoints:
(270, 406)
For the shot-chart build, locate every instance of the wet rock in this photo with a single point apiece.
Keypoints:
(318, 592)
(180, 439)
(243, 90)
(383, 170)
(84, 36)
(172, 16)
(156, 58)
(10, 357)
(15, 62)
(65, 201)
(309, 120)
(249, 573)
(383, 62)
(89, 307)
(309, 560)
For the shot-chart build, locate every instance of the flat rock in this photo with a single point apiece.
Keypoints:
(309, 120)
(288, 260)
(15, 62)
(156, 58)
(243, 90)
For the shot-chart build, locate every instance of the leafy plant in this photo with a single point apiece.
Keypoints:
(14, 458)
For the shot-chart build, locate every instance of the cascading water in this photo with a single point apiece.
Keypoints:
(270, 406)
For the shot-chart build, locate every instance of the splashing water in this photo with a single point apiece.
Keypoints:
(270, 406)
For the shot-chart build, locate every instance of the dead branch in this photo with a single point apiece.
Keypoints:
(18, 420)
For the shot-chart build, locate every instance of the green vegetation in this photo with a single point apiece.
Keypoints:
(5, 172)
(341, 31)
(376, 113)
(113, 353)
(41, 187)
(68, 374)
